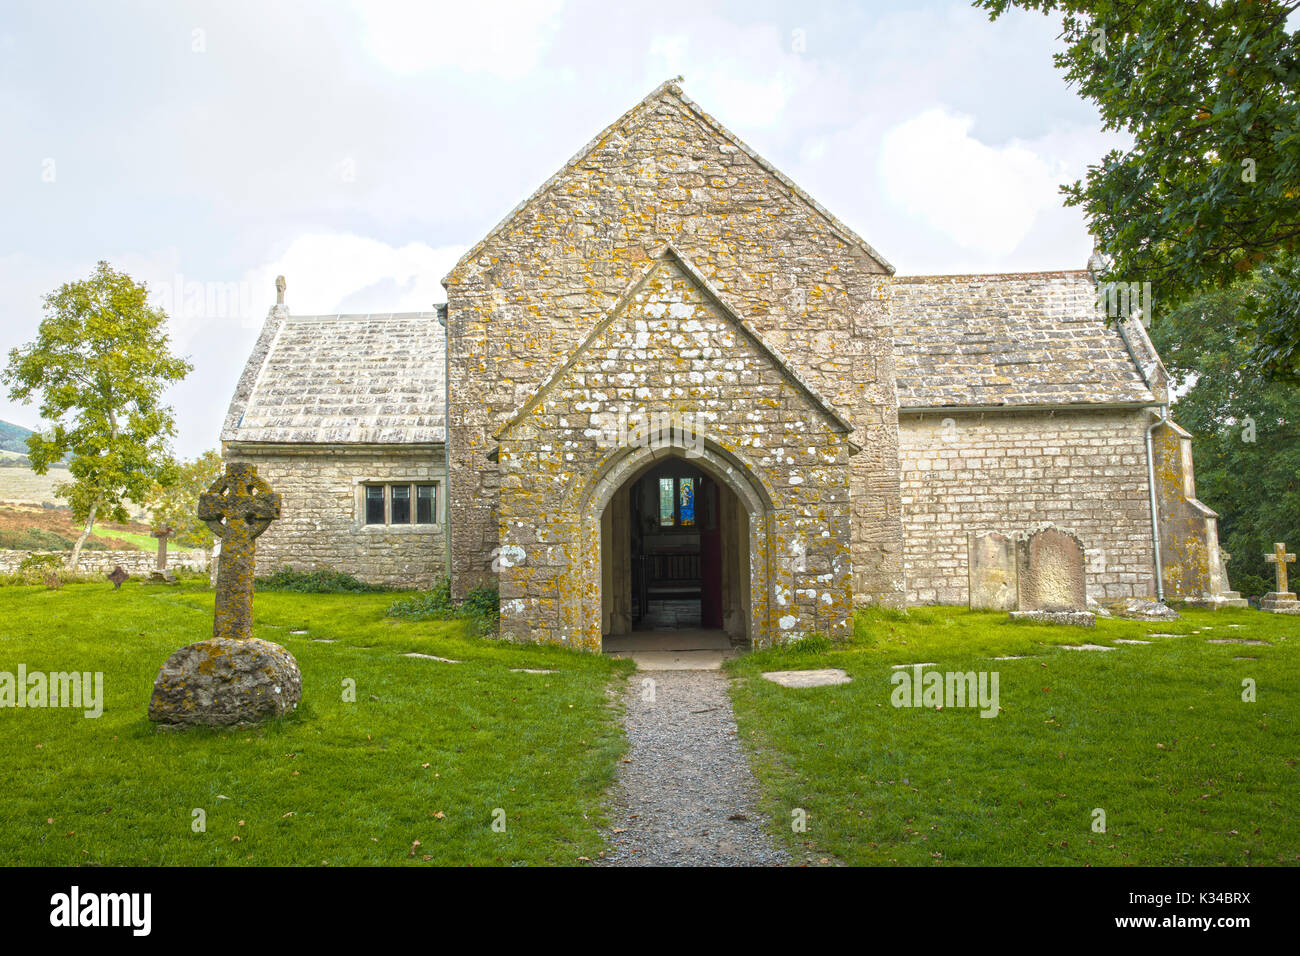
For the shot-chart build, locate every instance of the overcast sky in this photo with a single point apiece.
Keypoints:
(360, 148)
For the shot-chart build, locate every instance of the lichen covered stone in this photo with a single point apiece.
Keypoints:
(219, 682)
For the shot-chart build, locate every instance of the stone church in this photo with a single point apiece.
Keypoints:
(670, 376)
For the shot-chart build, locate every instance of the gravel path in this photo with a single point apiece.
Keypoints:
(685, 796)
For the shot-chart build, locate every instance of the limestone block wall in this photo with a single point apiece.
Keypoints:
(1083, 471)
(322, 524)
(522, 299)
(674, 349)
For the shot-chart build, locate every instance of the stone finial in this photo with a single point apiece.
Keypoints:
(1097, 262)
(279, 290)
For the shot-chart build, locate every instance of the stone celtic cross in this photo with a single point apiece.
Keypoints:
(1281, 559)
(238, 507)
(162, 534)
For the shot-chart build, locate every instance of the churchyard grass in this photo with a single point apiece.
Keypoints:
(1157, 736)
(427, 752)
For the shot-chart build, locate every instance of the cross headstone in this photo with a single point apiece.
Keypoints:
(162, 534)
(1281, 559)
(117, 576)
(238, 507)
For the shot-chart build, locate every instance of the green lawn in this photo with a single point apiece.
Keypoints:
(426, 753)
(1156, 735)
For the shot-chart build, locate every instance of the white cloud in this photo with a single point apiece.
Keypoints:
(338, 272)
(503, 38)
(980, 196)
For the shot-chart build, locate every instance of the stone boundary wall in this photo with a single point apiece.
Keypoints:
(322, 526)
(1009, 471)
(134, 563)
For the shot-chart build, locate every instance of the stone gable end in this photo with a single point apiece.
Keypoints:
(525, 297)
(674, 351)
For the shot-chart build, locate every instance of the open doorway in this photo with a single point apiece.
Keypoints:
(675, 561)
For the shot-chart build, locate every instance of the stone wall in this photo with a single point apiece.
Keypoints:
(523, 299)
(322, 524)
(1189, 537)
(134, 563)
(675, 348)
(1002, 471)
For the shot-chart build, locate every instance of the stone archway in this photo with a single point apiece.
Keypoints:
(748, 550)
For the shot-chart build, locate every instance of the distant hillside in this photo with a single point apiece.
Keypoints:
(13, 437)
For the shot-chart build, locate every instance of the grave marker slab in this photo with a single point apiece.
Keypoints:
(1281, 601)
(992, 571)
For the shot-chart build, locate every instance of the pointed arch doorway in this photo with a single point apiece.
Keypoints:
(677, 547)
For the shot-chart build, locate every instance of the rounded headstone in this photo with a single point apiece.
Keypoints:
(220, 681)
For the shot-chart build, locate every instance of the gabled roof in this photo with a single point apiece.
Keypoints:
(666, 90)
(343, 379)
(1018, 339)
(668, 254)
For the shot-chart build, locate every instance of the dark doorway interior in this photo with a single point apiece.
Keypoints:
(676, 554)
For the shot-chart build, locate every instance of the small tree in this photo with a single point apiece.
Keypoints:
(100, 364)
(176, 505)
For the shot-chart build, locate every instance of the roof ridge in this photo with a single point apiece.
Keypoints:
(328, 316)
(992, 275)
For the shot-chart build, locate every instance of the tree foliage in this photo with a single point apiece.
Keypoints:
(100, 364)
(1210, 189)
(176, 505)
(1246, 426)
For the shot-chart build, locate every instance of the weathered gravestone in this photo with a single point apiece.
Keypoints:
(1050, 580)
(1229, 597)
(160, 574)
(992, 571)
(117, 576)
(232, 678)
(1281, 601)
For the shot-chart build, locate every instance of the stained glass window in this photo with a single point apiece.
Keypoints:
(686, 487)
(665, 502)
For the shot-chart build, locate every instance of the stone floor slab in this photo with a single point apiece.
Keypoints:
(823, 677)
